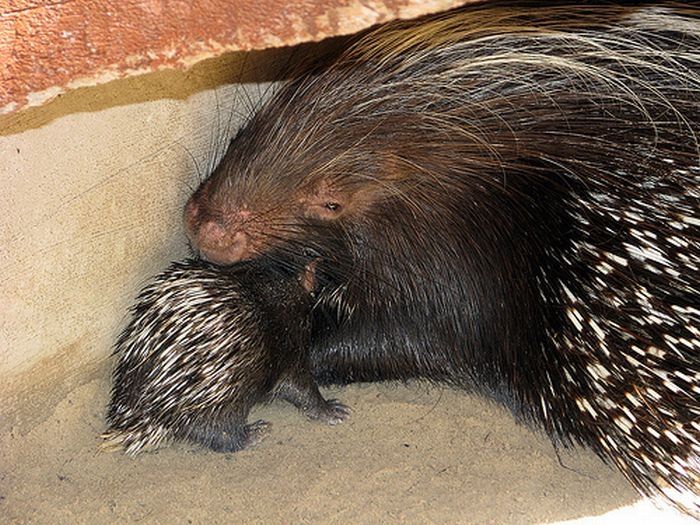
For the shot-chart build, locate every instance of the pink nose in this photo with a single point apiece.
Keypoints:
(219, 246)
(217, 241)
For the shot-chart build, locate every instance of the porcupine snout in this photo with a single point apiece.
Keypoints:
(219, 238)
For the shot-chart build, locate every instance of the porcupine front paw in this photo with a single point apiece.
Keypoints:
(302, 392)
(254, 433)
(330, 411)
(232, 439)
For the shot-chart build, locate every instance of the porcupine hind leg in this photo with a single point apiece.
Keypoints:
(301, 390)
(229, 434)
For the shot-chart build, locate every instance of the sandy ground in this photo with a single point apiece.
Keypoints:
(409, 454)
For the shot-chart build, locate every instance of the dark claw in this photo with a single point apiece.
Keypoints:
(333, 412)
(256, 432)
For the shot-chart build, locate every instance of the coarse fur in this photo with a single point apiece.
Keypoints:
(205, 345)
(515, 190)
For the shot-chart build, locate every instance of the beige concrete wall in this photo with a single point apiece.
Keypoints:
(92, 190)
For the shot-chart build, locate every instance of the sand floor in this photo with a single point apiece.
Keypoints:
(408, 454)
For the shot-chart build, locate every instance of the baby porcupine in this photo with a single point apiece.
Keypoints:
(203, 346)
(518, 186)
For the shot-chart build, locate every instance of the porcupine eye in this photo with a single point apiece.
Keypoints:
(327, 210)
(324, 202)
(324, 209)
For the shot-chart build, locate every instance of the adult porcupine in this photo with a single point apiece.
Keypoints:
(518, 190)
(203, 346)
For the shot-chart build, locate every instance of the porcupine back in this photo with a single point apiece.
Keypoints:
(521, 203)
